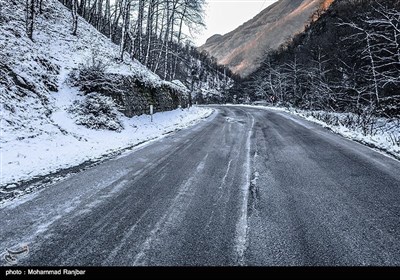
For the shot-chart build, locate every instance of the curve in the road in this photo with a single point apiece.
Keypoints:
(245, 187)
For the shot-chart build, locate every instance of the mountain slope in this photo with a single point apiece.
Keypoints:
(242, 48)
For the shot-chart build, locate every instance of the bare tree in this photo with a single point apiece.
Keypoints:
(322, 93)
(385, 31)
(294, 71)
(366, 54)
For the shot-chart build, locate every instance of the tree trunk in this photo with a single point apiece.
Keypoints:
(156, 65)
(125, 24)
(149, 34)
(179, 37)
(108, 18)
(139, 31)
(373, 69)
(30, 17)
(92, 13)
(81, 9)
(119, 7)
(99, 16)
(74, 17)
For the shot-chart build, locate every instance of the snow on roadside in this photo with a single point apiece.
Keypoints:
(38, 135)
(385, 138)
(47, 153)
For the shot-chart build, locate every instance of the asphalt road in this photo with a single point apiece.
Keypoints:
(245, 187)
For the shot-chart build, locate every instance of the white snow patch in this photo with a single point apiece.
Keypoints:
(46, 225)
(255, 179)
(226, 174)
(20, 201)
(241, 226)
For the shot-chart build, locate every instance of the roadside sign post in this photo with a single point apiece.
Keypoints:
(151, 112)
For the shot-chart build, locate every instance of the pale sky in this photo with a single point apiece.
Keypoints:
(223, 16)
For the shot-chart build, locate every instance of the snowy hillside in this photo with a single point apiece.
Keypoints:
(38, 135)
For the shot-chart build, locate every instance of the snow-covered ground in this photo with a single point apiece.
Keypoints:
(385, 135)
(38, 135)
(49, 152)
(48, 59)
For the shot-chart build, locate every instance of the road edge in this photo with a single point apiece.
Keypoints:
(36, 183)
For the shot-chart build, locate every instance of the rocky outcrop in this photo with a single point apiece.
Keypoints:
(132, 95)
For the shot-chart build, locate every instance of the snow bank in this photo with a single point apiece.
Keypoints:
(385, 135)
(31, 157)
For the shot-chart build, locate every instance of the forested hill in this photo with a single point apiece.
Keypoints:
(347, 61)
